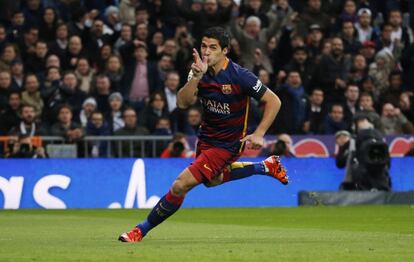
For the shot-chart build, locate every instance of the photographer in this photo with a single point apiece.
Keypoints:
(178, 147)
(282, 147)
(24, 148)
(365, 157)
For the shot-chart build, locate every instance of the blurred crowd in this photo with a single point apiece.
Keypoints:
(72, 68)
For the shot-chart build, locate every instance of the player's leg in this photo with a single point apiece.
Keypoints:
(167, 206)
(239, 170)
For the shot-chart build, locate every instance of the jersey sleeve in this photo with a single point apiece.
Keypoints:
(251, 85)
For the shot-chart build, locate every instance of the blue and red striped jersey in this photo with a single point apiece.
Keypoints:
(225, 99)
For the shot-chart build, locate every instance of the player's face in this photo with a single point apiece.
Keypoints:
(211, 48)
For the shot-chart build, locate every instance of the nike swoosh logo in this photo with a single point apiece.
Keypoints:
(206, 167)
(166, 209)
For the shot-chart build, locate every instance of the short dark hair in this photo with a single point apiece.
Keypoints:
(220, 34)
(335, 105)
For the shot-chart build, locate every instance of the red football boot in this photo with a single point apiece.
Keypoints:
(135, 235)
(276, 170)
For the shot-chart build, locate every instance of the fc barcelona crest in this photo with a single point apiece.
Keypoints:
(226, 89)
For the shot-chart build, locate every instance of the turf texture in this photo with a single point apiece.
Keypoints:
(361, 233)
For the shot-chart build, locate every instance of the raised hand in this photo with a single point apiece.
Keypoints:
(199, 67)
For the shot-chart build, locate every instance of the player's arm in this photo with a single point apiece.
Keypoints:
(271, 108)
(272, 105)
(186, 94)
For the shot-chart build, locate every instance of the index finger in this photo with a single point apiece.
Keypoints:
(196, 56)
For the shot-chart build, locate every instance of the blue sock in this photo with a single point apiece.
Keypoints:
(167, 206)
(240, 170)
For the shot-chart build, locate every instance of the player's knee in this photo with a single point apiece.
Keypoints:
(179, 188)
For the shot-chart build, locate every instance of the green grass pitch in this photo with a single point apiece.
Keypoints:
(361, 233)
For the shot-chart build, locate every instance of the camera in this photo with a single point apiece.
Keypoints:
(24, 148)
(280, 148)
(177, 149)
(367, 162)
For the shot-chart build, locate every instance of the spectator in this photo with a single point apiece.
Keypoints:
(28, 124)
(114, 116)
(11, 116)
(97, 126)
(367, 110)
(279, 11)
(212, 13)
(112, 22)
(332, 72)
(97, 38)
(172, 82)
(36, 63)
(334, 121)
(53, 60)
(184, 56)
(5, 82)
(314, 41)
(141, 76)
(350, 105)
(17, 24)
(406, 105)
(33, 11)
(165, 65)
(193, 121)
(88, 107)
(156, 108)
(124, 37)
(359, 70)
(368, 51)
(127, 11)
(101, 92)
(315, 112)
(71, 92)
(52, 78)
(394, 122)
(399, 32)
(142, 18)
(301, 64)
(48, 24)
(348, 13)
(381, 69)
(252, 38)
(393, 92)
(3, 36)
(292, 112)
(31, 94)
(162, 127)
(313, 14)
(407, 63)
(59, 44)
(27, 44)
(9, 54)
(365, 31)
(17, 75)
(349, 37)
(74, 52)
(24, 148)
(77, 25)
(130, 129)
(115, 71)
(65, 127)
(85, 74)
(169, 48)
